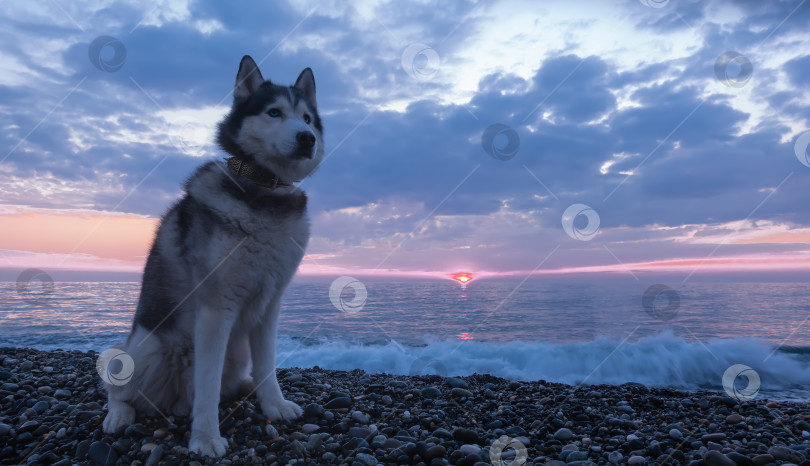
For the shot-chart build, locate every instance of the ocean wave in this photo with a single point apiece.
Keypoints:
(662, 360)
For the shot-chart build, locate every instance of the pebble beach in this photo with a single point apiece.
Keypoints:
(51, 410)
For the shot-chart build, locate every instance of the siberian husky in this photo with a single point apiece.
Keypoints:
(205, 325)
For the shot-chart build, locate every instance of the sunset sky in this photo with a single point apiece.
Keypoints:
(458, 134)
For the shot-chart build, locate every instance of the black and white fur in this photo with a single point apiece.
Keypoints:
(205, 326)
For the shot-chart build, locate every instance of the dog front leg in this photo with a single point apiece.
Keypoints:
(212, 329)
(263, 354)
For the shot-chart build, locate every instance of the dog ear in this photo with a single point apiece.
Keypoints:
(306, 84)
(248, 79)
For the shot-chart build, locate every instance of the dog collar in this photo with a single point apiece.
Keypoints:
(255, 174)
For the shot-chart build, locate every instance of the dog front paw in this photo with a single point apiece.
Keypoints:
(119, 415)
(208, 445)
(281, 410)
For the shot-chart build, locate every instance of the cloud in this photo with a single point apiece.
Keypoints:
(617, 107)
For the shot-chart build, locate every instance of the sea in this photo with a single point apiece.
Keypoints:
(739, 337)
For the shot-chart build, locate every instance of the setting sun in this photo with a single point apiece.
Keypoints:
(462, 277)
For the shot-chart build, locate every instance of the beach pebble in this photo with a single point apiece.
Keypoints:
(364, 459)
(154, 456)
(461, 393)
(271, 431)
(361, 417)
(465, 435)
(340, 402)
(431, 392)
(635, 459)
(454, 382)
(62, 393)
(734, 418)
(762, 460)
(715, 458)
(313, 410)
(786, 454)
(436, 451)
(615, 457)
(310, 428)
(563, 434)
(714, 437)
(675, 434)
(102, 454)
(5, 429)
(359, 432)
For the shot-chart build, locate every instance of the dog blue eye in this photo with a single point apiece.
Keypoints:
(307, 119)
(274, 112)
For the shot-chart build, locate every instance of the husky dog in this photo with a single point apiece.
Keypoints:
(205, 325)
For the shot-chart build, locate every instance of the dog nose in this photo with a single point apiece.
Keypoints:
(305, 139)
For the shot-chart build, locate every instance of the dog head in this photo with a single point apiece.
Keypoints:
(274, 127)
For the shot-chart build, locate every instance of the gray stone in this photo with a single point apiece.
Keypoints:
(364, 459)
(635, 459)
(62, 393)
(576, 456)
(102, 454)
(715, 458)
(41, 406)
(675, 434)
(155, 456)
(785, 454)
(340, 402)
(361, 417)
(359, 432)
(431, 392)
(313, 410)
(461, 393)
(564, 435)
(715, 437)
(465, 435)
(454, 382)
(310, 428)
(5, 429)
(615, 457)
